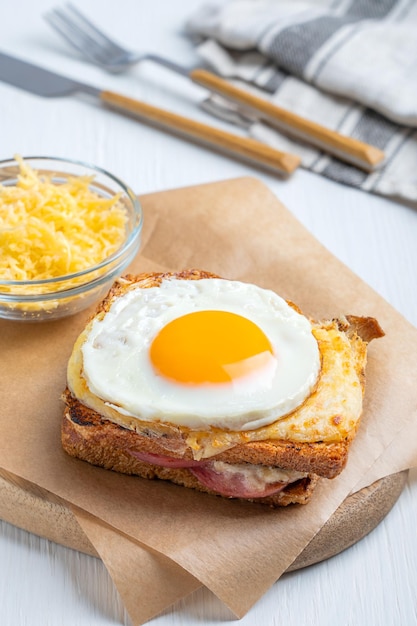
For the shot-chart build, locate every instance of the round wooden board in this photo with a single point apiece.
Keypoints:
(43, 514)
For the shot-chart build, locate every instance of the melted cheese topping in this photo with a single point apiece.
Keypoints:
(331, 413)
(49, 230)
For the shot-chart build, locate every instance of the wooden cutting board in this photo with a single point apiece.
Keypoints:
(43, 514)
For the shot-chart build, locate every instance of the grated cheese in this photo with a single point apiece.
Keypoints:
(49, 230)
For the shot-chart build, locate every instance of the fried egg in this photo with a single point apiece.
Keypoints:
(201, 354)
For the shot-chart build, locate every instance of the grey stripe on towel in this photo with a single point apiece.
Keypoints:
(293, 47)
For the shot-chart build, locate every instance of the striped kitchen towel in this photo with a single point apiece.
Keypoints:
(350, 65)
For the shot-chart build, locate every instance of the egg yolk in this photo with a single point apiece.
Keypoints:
(209, 347)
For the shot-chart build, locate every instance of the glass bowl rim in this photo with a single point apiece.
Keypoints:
(108, 260)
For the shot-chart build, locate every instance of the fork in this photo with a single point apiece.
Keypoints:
(83, 35)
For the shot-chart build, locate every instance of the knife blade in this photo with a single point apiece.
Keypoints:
(43, 82)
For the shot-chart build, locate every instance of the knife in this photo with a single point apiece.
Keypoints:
(43, 82)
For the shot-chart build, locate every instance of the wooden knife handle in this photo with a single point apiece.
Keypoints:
(351, 150)
(244, 148)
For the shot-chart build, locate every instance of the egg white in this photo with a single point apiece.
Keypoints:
(117, 367)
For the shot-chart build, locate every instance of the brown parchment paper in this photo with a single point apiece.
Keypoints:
(177, 538)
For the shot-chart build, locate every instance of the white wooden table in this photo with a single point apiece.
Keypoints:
(44, 584)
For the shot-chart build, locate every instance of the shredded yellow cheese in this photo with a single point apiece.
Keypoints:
(49, 230)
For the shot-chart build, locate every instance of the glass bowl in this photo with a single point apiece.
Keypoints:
(60, 296)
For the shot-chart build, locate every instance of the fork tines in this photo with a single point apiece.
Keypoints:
(83, 35)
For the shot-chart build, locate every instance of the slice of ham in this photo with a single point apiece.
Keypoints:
(234, 484)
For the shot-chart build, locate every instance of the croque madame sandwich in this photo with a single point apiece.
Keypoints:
(215, 385)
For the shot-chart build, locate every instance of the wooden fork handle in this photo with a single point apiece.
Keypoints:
(346, 148)
(245, 149)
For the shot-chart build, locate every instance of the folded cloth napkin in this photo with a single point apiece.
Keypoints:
(350, 65)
